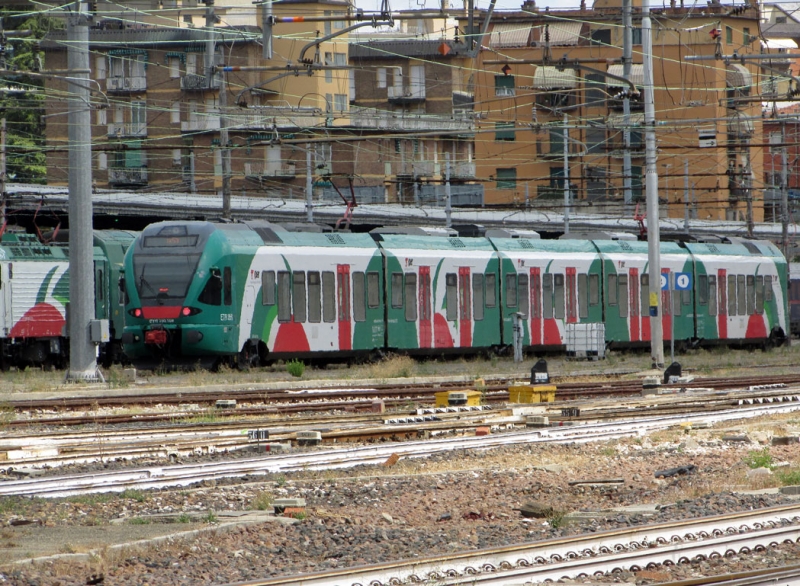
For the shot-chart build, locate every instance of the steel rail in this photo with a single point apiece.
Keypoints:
(580, 555)
(182, 475)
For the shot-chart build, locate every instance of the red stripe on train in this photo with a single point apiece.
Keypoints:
(161, 312)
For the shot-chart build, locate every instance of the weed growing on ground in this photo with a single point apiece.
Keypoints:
(789, 477)
(301, 515)
(210, 517)
(393, 367)
(556, 519)
(139, 521)
(263, 500)
(759, 459)
(183, 518)
(131, 493)
(210, 415)
(296, 368)
(116, 378)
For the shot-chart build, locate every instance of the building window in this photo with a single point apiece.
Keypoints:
(595, 89)
(556, 141)
(780, 20)
(176, 157)
(504, 131)
(381, 74)
(175, 113)
(636, 35)
(102, 161)
(504, 85)
(187, 20)
(101, 117)
(174, 67)
(595, 140)
(746, 36)
(327, 24)
(728, 35)
(601, 37)
(338, 23)
(507, 178)
(328, 61)
(340, 102)
(100, 66)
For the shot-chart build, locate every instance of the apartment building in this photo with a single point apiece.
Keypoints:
(551, 77)
(157, 113)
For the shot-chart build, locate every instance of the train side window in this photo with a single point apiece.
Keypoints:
(491, 290)
(123, 293)
(425, 295)
(284, 296)
(644, 292)
(299, 296)
(622, 281)
(741, 295)
(611, 289)
(451, 296)
(750, 285)
(702, 289)
(373, 289)
(676, 302)
(536, 296)
(411, 297)
(558, 296)
(397, 290)
(583, 295)
(267, 287)
(547, 295)
(511, 289)
(768, 293)
(314, 297)
(359, 294)
(477, 296)
(212, 292)
(731, 294)
(712, 295)
(328, 297)
(522, 295)
(100, 286)
(686, 296)
(760, 294)
(227, 286)
(464, 292)
(594, 289)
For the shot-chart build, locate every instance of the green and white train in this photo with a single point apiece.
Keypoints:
(250, 292)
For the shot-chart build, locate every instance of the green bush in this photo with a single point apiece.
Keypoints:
(295, 368)
(759, 459)
(789, 477)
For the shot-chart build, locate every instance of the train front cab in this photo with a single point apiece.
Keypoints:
(626, 293)
(741, 293)
(181, 299)
(551, 283)
(442, 294)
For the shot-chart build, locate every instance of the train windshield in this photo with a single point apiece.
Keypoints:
(163, 279)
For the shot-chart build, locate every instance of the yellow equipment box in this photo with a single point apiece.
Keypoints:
(531, 393)
(458, 398)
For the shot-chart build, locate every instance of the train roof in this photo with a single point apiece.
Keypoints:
(740, 248)
(635, 247)
(390, 241)
(537, 245)
(21, 246)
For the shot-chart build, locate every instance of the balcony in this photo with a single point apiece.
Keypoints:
(126, 84)
(127, 130)
(262, 171)
(375, 119)
(199, 83)
(462, 170)
(618, 152)
(127, 176)
(204, 123)
(269, 118)
(406, 95)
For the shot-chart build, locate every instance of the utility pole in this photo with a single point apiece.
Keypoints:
(447, 201)
(747, 181)
(566, 176)
(686, 195)
(82, 352)
(784, 192)
(651, 186)
(211, 71)
(2, 172)
(309, 189)
(627, 50)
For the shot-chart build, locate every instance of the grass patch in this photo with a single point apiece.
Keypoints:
(296, 368)
(263, 500)
(759, 459)
(210, 517)
(183, 518)
(789, 477)
(139, 521)
(131, 493)
(393, 367)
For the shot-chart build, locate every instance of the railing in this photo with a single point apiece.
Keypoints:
(461, 169)
(408, 93)
(195, 82)
(127, 176)
(201, 124)
(263, 119)
(126, 84)
(127, 130)
(258, 170)
(376, 119)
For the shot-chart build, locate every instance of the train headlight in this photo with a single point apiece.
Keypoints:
(187, 311)
(135, 312)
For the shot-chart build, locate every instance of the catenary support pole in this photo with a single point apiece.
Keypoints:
(448, 209)
(2, 172)
(309, 189)
(566, 176)
(651, 187)
(785, 192)
(686, 195)
(627, 52)
(82, 352)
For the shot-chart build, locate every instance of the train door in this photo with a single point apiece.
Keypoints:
(666, 306)
(425, 328)
(343, 306)
(572, 295)
(635, 313)
(464, 307)
(722, 306)
(101, 301)
(5, 299)
(536, 306)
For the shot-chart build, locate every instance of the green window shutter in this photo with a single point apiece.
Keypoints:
(504, 131)
(507, 178)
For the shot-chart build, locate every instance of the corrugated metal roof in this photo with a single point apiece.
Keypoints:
(738, 76)
(510, 35)
(637, 75)
(548, 78)
(561, 33)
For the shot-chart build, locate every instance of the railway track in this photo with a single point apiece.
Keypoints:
(348, 457)
(576, 556)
